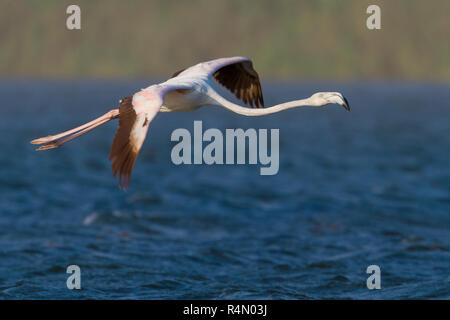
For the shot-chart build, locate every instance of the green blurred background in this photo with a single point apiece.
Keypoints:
(316, 39)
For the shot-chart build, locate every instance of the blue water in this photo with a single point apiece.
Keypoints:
(354, 189)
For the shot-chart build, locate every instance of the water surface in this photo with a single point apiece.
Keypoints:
(354, 189)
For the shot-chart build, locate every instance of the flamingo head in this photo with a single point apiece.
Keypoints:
(320, 99)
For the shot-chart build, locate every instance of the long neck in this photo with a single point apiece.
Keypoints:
(258, 112)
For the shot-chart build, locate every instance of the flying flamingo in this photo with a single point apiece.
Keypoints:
(186, 90)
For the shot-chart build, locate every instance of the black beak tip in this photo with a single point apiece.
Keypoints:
(346, 105)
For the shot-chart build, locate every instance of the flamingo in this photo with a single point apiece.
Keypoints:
(187, 90)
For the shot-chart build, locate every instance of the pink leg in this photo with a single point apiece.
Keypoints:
(56, 144)
(107, 116)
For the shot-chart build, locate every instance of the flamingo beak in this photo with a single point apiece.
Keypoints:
(346, 105)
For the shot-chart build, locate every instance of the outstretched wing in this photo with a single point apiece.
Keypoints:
(128, 140)
(235, 73)
(135, 114)
(242, 80)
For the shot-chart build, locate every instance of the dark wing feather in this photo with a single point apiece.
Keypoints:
(177, 73)
(243, 81)
(128, 140)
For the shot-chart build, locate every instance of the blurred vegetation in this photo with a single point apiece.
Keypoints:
(318, 39)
